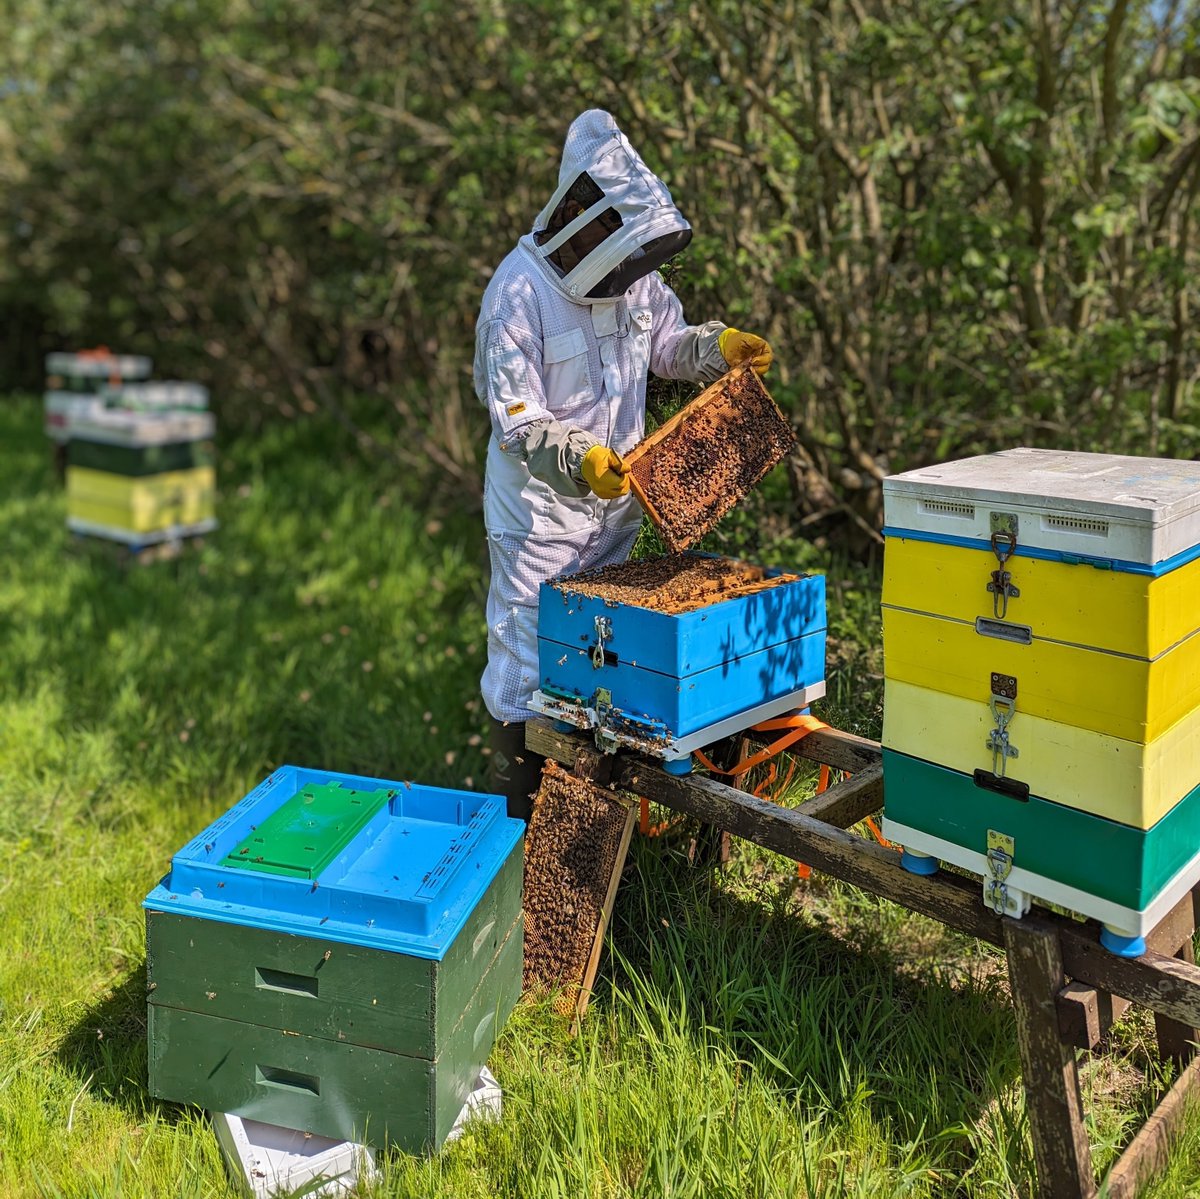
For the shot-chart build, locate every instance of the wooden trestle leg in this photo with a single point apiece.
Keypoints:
(1053, 1101)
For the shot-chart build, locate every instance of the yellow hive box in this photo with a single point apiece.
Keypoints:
(107, 487)
(141, 504)
(1129, 698)
(1113, 610)
(1120, 780)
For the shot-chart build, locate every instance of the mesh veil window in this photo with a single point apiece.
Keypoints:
(583, 193)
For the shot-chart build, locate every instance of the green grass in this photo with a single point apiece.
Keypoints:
(751, 1035)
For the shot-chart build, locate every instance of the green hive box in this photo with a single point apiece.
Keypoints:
(337, 954)
(138, 461)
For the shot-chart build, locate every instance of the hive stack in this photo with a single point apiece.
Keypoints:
(336, 955)
(76, 384)
(667, 655)
(142, 472)
(1042, 662)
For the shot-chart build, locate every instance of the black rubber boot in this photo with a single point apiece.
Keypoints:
(516, 772)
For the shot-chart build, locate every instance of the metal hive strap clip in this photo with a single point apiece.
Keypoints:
(1004, 545)
(1003, 705)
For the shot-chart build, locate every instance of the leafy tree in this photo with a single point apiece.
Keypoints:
(962, 225)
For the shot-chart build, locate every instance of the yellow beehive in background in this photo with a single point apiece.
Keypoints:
(141, 477)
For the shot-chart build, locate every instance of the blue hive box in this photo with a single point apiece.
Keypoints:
(336, 954)
(636, 659)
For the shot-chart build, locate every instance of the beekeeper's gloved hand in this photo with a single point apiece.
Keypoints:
(605, 473)
(737, 347)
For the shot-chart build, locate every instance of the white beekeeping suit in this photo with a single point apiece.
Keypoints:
(571, 323)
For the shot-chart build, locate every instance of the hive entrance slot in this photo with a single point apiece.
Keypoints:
(266, 979)
(287, 1080)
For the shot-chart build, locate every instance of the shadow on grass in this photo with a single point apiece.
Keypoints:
(106, 1050)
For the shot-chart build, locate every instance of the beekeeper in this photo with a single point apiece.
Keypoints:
(573, 319)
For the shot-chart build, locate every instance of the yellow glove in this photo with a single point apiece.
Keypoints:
(738, 347)
(605, 473)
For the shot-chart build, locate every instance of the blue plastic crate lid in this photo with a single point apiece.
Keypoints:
(406, 880)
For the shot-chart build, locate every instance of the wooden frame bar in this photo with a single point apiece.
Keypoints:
(1067, 989)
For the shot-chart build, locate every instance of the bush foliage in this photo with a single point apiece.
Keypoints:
(962, 225)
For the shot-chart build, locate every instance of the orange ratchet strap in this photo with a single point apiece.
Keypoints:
(798, 727)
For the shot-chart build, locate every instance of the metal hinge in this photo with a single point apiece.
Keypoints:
(1004, 545)
(1003, 705)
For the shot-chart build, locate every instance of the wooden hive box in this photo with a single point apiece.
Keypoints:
(168, 395)
(76, 383)
(336, 954)
(138, 477)
(137, 462)
(141, 504)
(1042, 668)
(667, 650)
(708, 457)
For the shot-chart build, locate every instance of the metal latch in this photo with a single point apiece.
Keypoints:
(1003, 705)
(604, 633)
(606, 743)
(1001, 849)
(1004, 545)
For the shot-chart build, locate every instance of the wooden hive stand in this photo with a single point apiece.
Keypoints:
(1067, 990)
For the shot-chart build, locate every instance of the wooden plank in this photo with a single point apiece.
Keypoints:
(842, 751)
(1080, 1022)
(591, 764)
(1164, 984)
(1060, 1144)
(946, 897)
(1150, 1150)
(1086, 1014)
(1177, 1039)
(848, 802)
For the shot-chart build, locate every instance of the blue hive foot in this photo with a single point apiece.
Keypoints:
(918, 863)
(678, 765)
(1123, 945)
(564, 726)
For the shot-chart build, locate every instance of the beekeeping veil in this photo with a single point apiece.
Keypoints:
(625, 224)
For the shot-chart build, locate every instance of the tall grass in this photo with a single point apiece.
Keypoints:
(750, 1035)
